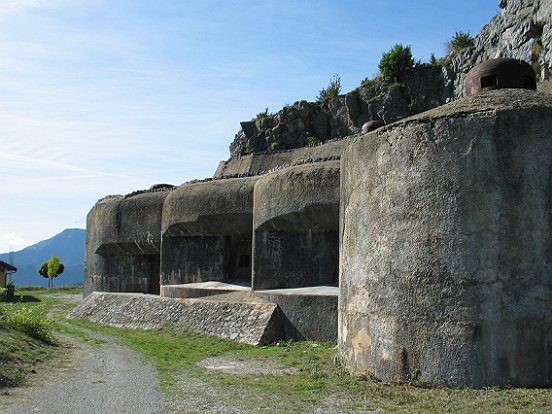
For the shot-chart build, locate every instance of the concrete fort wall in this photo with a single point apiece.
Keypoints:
(263, 162)
(295, 223)
(122, 244)
(446, 250)
(206, 230)
(203, 231)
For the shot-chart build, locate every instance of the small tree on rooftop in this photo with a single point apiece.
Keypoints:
(331, 91)
(396, 62)
(51, 269)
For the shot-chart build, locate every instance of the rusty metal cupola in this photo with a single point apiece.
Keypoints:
(500, 73)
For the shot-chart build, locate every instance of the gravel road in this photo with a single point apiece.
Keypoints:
(106, 379)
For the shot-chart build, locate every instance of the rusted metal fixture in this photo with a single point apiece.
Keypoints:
(371, 125)
(500, 73)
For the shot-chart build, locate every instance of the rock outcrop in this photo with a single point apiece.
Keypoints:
(309, 123)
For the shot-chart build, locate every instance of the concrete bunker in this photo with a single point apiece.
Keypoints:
(207, 231)
(123, 244)
(445, 265)
(296, 217)
(500, 73)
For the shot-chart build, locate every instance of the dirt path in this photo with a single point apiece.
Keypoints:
(85, 379)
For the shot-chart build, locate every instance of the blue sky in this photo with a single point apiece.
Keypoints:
(105, 97)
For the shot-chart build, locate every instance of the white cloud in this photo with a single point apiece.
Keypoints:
(13, 240)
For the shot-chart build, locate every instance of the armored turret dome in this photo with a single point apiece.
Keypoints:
(500, 73)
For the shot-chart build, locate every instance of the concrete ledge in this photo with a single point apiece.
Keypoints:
(308, 313)
(202, 289)
(249, 323)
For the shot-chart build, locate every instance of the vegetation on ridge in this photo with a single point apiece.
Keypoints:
(459, 41)
(396, 62)
(331, 91)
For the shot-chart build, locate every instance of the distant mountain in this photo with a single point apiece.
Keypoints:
(68, 245)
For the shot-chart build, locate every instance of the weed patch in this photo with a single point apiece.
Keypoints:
(30, 321)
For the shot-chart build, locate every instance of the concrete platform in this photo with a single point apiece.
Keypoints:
(202, 289)
(306, 313)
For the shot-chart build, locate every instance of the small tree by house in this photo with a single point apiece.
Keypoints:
(51, 269)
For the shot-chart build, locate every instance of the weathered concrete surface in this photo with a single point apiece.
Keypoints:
(296, 217)
(206, 227)
(445, 262)
(122, 244)
(307, 313)
(218, 207)
(265, 162)
(250, 323)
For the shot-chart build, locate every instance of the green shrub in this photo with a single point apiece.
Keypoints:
(396, 62)
(331, 91)
(261, 115)
(312, 141)
(3, 292)
(536, 50)
(435, 61)
(459, 41)
(30, 321)
(412, 105)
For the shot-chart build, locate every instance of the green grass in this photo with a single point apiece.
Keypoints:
(55, 290)
(28, 320)
(26, 337)
(18, 354)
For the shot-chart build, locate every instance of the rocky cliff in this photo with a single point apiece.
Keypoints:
(521, 30)
(309, 123)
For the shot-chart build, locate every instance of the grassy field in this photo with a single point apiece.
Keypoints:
(316, 384)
